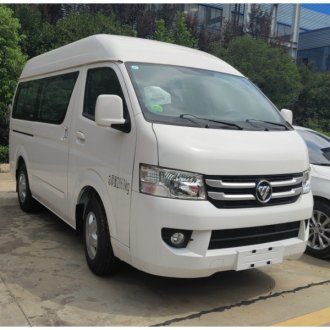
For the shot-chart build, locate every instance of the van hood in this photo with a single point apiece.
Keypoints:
(230, 152)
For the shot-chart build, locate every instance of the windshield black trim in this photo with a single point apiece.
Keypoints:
(208, 120)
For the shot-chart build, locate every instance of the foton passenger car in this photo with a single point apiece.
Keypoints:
(165, 157)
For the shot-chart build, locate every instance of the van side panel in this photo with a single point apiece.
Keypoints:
(41, 117)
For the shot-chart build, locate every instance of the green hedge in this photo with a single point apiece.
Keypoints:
(4, 154)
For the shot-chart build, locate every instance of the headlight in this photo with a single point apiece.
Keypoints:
(169, 183)
(306, 183)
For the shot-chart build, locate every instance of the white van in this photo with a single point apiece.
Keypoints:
(163, 156)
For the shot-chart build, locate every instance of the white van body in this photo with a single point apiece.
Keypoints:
(66, 160)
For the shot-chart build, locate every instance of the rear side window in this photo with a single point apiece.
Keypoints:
(45, 100)
(25, 106)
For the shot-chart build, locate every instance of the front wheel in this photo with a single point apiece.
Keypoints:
(318, 244)
(98, 250)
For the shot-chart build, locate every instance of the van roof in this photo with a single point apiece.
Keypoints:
(103, 47)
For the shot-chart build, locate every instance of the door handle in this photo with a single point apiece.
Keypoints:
(80, 136)
(66, 134)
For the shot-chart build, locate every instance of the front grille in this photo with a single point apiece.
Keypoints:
(240, 191)
(228, 238)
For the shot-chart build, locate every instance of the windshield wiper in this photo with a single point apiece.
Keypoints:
(267, 122)
(188, 115)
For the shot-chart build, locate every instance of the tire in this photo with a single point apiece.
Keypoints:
(318, 244)
(96, 236)
(25, 199)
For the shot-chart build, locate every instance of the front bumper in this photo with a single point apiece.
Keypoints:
(151, 254)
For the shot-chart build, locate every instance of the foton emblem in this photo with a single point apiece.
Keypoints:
(263, 191)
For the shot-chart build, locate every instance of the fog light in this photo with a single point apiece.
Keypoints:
(177, 238)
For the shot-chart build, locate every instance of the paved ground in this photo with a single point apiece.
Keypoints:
(44, 281)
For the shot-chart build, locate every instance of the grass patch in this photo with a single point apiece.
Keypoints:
(4, 154)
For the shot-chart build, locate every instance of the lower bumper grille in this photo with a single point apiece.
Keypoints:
(228, 238)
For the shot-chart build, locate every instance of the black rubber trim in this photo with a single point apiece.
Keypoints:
(23, 133)
(227, 238)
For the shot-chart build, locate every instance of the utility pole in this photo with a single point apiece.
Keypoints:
(247, 12)
(295, 31)
(273, 27)
(226, 13)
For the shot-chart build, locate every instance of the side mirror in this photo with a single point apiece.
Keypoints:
(287, 115)
(109, 110)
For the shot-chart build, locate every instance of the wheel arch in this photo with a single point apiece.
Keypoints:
(86, 193)
(87, 184)
(322, 199)
(21, 158)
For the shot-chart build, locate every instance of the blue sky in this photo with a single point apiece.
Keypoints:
(320, 7)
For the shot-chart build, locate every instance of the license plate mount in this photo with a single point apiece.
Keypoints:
(259, 257)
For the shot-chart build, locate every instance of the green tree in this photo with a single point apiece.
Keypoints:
(38, 33)
(178, 34)
(162, 33)
(218, 50)
(11, 57)
(77, 25)
(182, 35)
(312, 106)
(269, 68)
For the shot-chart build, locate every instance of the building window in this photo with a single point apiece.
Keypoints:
(283, 29)
(317, 57)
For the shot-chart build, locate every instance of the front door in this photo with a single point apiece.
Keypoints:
(107, 154)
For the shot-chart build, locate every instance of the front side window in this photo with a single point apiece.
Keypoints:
(190, 97)
(101, 81)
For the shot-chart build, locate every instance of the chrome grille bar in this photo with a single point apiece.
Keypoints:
(286, 183)
(234, 185)
(290, 193)
(230, 197)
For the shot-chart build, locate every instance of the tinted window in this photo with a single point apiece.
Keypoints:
(101, 81)
(55, 98)
(25, 105)
(44, 100)
(318, 147)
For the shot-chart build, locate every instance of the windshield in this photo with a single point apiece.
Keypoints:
(318, 147)
(195, 97)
